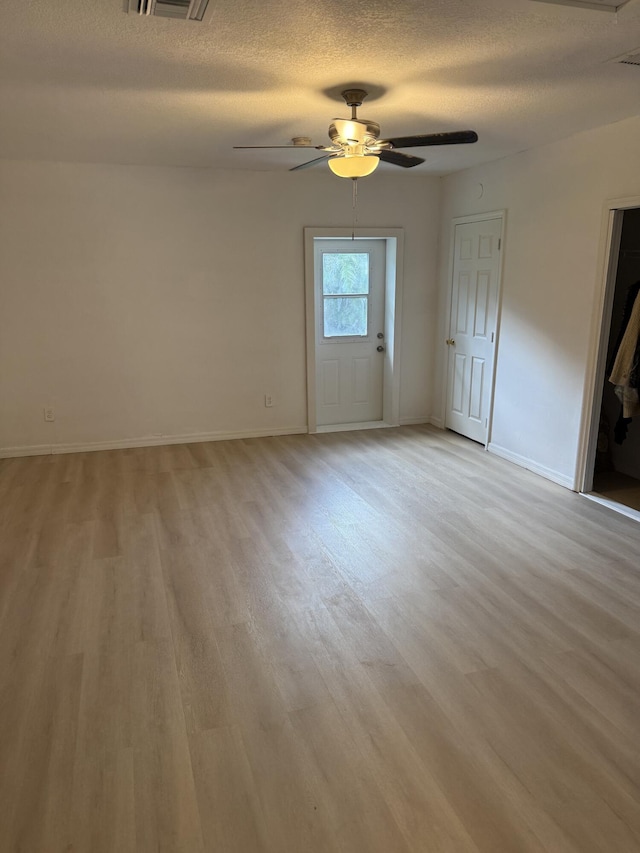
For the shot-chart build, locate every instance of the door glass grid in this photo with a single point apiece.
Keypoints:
(345, 294)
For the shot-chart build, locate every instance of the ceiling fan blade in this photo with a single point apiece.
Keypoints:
(399, 159)
(316, 147)
(455, 137)
(310, 163)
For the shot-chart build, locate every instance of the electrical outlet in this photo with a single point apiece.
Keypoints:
(49, 414)
(268, 401)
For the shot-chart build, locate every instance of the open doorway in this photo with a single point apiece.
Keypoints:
(613, 466)
(353, 306)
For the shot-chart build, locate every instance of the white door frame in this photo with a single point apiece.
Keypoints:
(394, 238)
(462, 220)
(610, 234)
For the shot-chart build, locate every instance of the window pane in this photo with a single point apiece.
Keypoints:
(345, 272)
(344, 317)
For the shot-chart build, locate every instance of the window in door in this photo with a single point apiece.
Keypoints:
(345, 295)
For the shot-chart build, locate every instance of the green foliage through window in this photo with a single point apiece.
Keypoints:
(345, 317)
(344, 272)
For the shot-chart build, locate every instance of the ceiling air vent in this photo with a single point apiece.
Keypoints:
(182, 10)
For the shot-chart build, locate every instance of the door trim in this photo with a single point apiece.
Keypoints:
(394, 238)
(609, 247)
(463, 220)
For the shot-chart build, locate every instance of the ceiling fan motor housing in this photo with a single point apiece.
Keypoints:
(344, 131)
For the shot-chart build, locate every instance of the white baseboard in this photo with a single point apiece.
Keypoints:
(414, 421)
(372, 425)
(144, 441)
(530, 465)
(436, 421)
(27, 450)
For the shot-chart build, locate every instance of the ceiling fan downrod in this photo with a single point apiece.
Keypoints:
(354, 98)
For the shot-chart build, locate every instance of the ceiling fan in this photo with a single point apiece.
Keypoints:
(356, 149)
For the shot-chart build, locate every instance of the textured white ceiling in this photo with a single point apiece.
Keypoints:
(84, 81)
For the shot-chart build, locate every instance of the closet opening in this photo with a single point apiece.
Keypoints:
(613, 465)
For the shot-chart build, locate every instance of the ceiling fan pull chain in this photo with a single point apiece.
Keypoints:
(355, 208)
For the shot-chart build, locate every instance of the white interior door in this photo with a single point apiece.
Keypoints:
(472, 326)
(350, 346)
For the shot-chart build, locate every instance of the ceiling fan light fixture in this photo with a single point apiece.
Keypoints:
(354, 165)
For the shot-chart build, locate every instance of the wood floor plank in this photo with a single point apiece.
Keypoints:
(361, 817)
(42, 782)
(191, 602)
(230, 808)
(166, 809)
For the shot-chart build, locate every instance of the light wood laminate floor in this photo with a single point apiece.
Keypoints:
(372, 642)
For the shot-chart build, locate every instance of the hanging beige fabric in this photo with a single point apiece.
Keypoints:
(623, 364)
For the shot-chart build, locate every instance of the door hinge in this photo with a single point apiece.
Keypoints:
(499, 243)
(486, 422)
(492, 336)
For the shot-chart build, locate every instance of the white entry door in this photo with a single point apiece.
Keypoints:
(350, 346)
(472, 326)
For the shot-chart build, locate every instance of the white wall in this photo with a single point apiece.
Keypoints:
(166, 302)
(554, 198)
